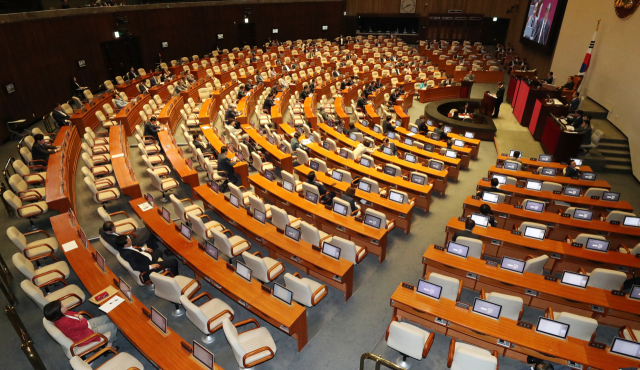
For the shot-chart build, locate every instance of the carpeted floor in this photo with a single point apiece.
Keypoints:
(339, 332)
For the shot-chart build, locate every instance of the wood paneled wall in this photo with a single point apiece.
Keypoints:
(40, 56)
(490, 8)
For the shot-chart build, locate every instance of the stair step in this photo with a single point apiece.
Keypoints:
(617, 168)
(622, 161)
(607, 153)
(613, 146)
(607, 140)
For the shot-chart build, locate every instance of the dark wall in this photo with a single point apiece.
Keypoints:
(39, 57)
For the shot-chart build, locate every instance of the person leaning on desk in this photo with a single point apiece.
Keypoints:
(151, 129)
(572, 170)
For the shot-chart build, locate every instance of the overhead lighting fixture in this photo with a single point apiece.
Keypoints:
(495, 19)
(116, 34)
(324, 28)
(345, 13)
(246, 20)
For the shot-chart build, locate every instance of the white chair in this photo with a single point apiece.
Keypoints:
(259, 165)
(389, 225)
(512, 306)
(32, 178)
(102, 196)
(526, 224)
(121, 360)
(28, 211)
(202, 229)
(243, 197)
(312, 235)
(70, 295)
(164, 185)
(451, 287)
(70, 348)
(251, 347)
(265, 269)
(256, 202)
(535, 265)
(123, 226)
(476, 247)
(305, 291)
(580, 327)
(286, 176)
(24, 192)
(281, 219)
(186, 213)
(349, 250)
(96, 170)
(605, 279)
(627, 333)
(171, 288)
(464, 356)
(208, 316)
(635, 250)
(409, 340)
(229, 246)
(619, 216)
(101, 158)
(41, 248)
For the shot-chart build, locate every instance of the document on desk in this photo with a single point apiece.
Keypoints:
(411, 134)
(206, 127)
(145, 206)
(111, 304)
(306, 142)
(117, 155)
(69, 246)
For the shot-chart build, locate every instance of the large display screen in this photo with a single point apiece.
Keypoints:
(542, 22)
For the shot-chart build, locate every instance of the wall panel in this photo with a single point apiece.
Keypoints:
(490, 8)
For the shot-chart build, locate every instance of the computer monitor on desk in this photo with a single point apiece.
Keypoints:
(372, 221)
(282, 293)
(487, 308)
(331, 250)
(336, 175)
(631, 221)
(458, 249)
(243, 271)
(314, 165)
(469, 135)
(597, 245)
(287, 185)
(534, 232)
(546, 171)
(553, 328)
(480, 219)
(512, 264)
(610, 196)
(490, 197)
(203, 355)
(574, 279)
(534, 206)
(625, 347)
(534, 185)
(158, 320)
(502, 179)
(211, 250)
(546, 158)
(430, 290)
(571, 191)
(583, 214)
(410, 158)
(311, 197)
(292, 233)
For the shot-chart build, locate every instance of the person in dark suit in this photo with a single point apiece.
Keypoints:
(572, 170)
(341, 42)
(542, 32)
(142, 236)
(362, 101)
(259, 78)
(387, 125)
(467, 232)
(311, 179)
(153, 81)
(151, 129)
(312, 86)
(199, 144)
(76, 88)
(41, 150)
(466, 109)
(499, 100)
(393, 98)
(230, 114)
(305, 93)
(485, 209)
(387, 144)
(569, 85)
(549, 79)
(585, 129)
(422, 124)
(226, 165)
(336, 72)
(143, 261)
(268, 103)
(349, 196)
(578, 118)
(143, 88)
(132, 74)
(493, 189)
(438, 130)
(242, 92)
(575, 102)
(60, 116)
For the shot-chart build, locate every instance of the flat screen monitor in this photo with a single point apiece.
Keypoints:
(331, 250)
(314, 165)
(610, 196)
(282, 293)
(391, 135)
(588, 176)
(215, 187)
(326, 145)
(458, 143)
(408, 141)
(429, 289)
(429, 122)
(101, 262)
(414, 129)
(283, 148)
(534, 206)
(340, 209)
(158, 320)
(486, 308)
(625, 347)
(469, 135)
(429, 147)
(631, 221)
(234, 200)
(546, 158)
(396, 197)
(534, 232)
(203, 355)
(417, 179)
(571, 191)
(386, 150)
(166, 215)
(259, 215)
(389, 170)
(513, 264)
(502, 179)
(372, 221)
(490, 197)
(553, 328)
(343, 153)
(451, 153)
(435, 165)
(597, 245)
(480, 219)
(447, 129)
(458, 249)
(578, 161)
(635, 292)
(364, 186)
(574, 279)
(340, 129)
(311, 197)
(243, 271)
(435, 136)
(353, 136)
(268, 175)
(541, 24)
(336, 175)
(548, 171)
(410, 158)
(271, 140)
(365, 162)
(150, 199)
(292, 233)
(398, 122)
(511, 166)
(534, 185)
(287, 185)
(124, 288)
(185, 231)
(211, 250)
(583, 214)
(376, 129)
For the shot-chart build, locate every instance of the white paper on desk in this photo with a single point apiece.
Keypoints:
(305, 142)
(111, 304)
(205, 127)
(69, 246)
(411, 134)
(118, 155)
(145, 206)
(363, 201)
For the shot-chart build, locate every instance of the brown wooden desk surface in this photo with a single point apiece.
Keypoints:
(60, 187)
(533, 164)
(170, 114)
(163, 351)
(310, 104)
(466, 152)
(298, 254)
(282, 103)
(563, 256)
(324, 219)
(248, 295)
(240, 168)
(178, 162)
(338, 105)
(483, 331)
(524, 175)
(507, 215)
(247, 105)
(130, 87)
(474, 143)
(86, 117)
(519, 194)
(439, 93)
(279, 158)
(534, 289)
(120, 162)
(129, 116)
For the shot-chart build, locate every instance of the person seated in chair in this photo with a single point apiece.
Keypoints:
(230, 114)
(495, 188)
(569, 85)
(204, 147)
(572, 170)
(467, 232)
(311, 179)
(119, 102)
(152, 129)
(387, 144)
(226, 165)
(142, 260)
(75, 327)
(60, 116)
(485, 209)
(585, 129)
(349, 196)
(41, 150)
(139, 238)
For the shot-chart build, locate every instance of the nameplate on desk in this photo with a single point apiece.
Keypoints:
(408, 286)
(557, 192)
(595, 197)
(475, 197)
(623, 268)
(315, 248)
(533, 159)
(550, 278)
(564, 163)
(462, 305)
(516, 232)
(612, 222)
(285, 202)
(524, 324)
(503, 154)
(472, 276)
(618, 293)
(243, 303)
(375, 241)
(597, 345)
(442, 322)
(438, 247)
(230, 266)
(574, 365)
(579, 245)
(517, 207)
(535, 173)
(337, 278)
(575, 178)
(531, 292)
(340, 228)
(566, 215)
(232, 222)
(295, 258)
(491, 263)
(556, 256)
(499, 166)
(503, 343)
(496, 242)
(265, 288)
(284, 328)
(595, 308)
(462, 219)
(519, 186)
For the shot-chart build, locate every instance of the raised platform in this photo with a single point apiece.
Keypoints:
(482, 126)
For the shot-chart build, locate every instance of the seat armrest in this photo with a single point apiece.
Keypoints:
(186, 288)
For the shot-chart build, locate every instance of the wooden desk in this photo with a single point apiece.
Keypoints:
(119, 150)
(533, 164)
(563, 256)
(535, 290)
(178, 162)
(440, 93)
(170, 114)
(163, 351)
(240, 168)
(464, 152)
(324, 219)
(60, 188)
(278, 110)
(507, 216)
(524, 176)
(310, 104)
(163, 89)
(338, 105)
(279, 159)
(336, 273)
(129, 116)
(86, 116)
(483, 331)
(290, 319)
(130, 87)
(473, 143)
(516, 194)
(247, 105)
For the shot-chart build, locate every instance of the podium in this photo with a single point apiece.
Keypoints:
(563, 145)
(541, 110)
(487, 104)
(527, 95)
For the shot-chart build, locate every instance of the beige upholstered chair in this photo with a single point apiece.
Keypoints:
(409, 340)
(251, 347)
(121, 360)
(265, 269)
(464, 356)
(305, 291)
(171, 288)
(70, 295)
(208, 316)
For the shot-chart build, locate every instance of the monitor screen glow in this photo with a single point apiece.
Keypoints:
(487, 308)
(287, 185)
(211, 250)
(553, 328)
(311, 197)
(429, 289)
(282, 293)
(469, 135)
(386, 150)
(458, 143)
(331, 250)
(502, 179)
(166, 215)
(243, 271)
(336, 175)
(451, 153)
(410, 158)
(372, 221)
(611, 197)
(292, 233)
(158, 320)
(408, 141)
(435, 165)
(480, 219)
(583, 214)
(573, 279)
(625, 347)
(314, 165)
(597, 245)
(203, 355)
(344, 153)
(326, 145)
(534, 206)
(125, 288)
(548, 171)
(534, 185)
(417, 179)
(545, 158)
(511, 166)
(339, 209)
(534, 233)
(588, 176)
(396, 197)
(365, 162)
(631, 221)
(268, 175)
(447, 129)
(259, 215)
(512, 264)
(458, 249)
(234, 200)
(635, 292)
(490, 197)
(572, 192)
(185, 231)
(364, 186)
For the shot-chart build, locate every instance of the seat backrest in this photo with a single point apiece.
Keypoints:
(606, 279)
(279, 217)
(536, 265)
(17, 183)
(34, 293)
(13, 200)
(551, 186)
(322, 165)
(58, 336)
(450, 286)
(166, 287)
(221, 242)
(475, 246)
(375, 188)
(309, 233)
(23, 265)
(511, 305)
(582, 238)
(301, 292)
(348, 249)
(525, 201)
(580, 327)
(178, 208)
(619, 216)
(468, 358)
(257, 265)
(525, 224)
(594, 192)
(231, 333)
(135, 275)
(17, 238)
(256, 203)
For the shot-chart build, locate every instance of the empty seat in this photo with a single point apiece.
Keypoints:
(580, 327)
(37, 249)
(229, 246)
(44, 275)
(451, 287)
(512, 306)
(536, 265)
(70, 295)
(121, 360)
(28, 211)
(171, 288)
(265, 269)
(305, 291)
(251, 347)
(464, 356)
(409, 340)
(207, 317)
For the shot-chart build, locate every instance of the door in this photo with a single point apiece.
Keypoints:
(122, 54)
(246, 35)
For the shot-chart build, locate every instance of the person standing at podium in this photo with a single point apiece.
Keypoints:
(500, 99)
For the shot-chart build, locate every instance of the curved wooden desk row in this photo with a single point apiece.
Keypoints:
(163, 89)
(290, 319)
(474, 144)
(119, 150)
(324, 219)
(465, 152)
(535, 290)
(163, 351)
(240, 168)
(533, 164)
(484, 332)
(130, 87)
(452, 164)
(247, 105)
(310, 104)
(516, 194)
(440, 177)
(129, 116)
(337, 273)
(562, 256)
(525, 175)
(170, 114)
(402, 214)
(60, 188)
(282, 102)
(177, 160)
(280, 159)
(86, 116)
(209, 110)
(508, 215)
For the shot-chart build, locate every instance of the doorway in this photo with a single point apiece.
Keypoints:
(246, 35)
(122, 54)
